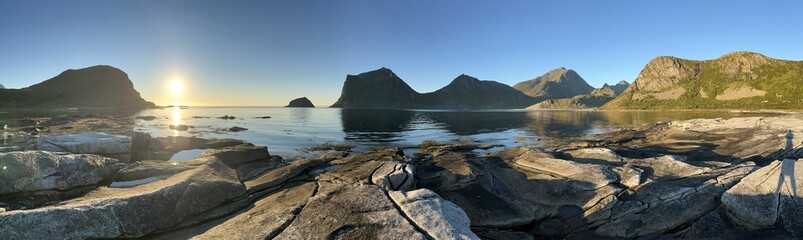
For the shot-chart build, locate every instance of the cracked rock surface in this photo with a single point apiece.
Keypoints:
(696, 179)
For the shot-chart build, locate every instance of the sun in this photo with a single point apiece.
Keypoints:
(176, 87)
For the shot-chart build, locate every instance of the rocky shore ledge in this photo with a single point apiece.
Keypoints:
(696, 179)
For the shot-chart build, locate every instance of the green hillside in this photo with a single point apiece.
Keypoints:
(739, 80)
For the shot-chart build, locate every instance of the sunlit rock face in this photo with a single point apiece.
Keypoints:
(97, 86)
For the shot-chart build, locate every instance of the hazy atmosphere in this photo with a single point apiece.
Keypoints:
(264, 53)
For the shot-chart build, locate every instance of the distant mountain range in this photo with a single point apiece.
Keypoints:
(738, 80)
(384, 89)
(595, 99)
(558, 83)
(97, 86)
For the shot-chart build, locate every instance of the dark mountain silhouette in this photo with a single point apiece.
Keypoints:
(97, 86)
(469, 92)
(300, 102)
(380, 88)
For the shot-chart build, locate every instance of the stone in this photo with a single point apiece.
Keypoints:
(40, 170)
(659, 207)
(439, 218)
(108, 145)
(237, 129)
(375, 217)
(234, 156)
(279, 175)
(767, 196)
(146, 118)
(266, 219)
(180, 127)
(128, 212)
(227, 117)
(394, 176)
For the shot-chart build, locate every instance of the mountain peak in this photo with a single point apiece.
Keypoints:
(557, 83)
(95, 86)
(464, 77)
(743, 54)
(623, 82)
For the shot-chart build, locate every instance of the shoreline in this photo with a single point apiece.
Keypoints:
(605, 181)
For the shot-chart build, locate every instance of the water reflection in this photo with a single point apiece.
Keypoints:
(374, 124)
(299, 115)
(367, 125)
(176, 119)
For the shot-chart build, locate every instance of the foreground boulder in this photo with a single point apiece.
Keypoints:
(768, 196)
(29, 171)
(108, 145)
(128, 212)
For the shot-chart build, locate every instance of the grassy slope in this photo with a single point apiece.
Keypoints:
(782, 80)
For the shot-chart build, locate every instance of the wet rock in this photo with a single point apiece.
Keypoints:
(146, 118)
(237, 129)
(440, 219)
(40, 170)
(263, 117)
(180, 127)
(107, 145)
(375, 217)
(227, 117)
(128, 212)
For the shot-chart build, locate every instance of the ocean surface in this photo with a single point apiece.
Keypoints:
(290, 129)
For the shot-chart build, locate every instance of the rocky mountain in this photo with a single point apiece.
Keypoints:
(380, 88)
(301, 102)
(738, 80)
(577, 102)
(97, 86)
(469, 92)
(558, 83)
(383, 89)
(595, 99)
(611, 91)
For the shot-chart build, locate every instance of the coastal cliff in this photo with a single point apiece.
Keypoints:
(98, 86)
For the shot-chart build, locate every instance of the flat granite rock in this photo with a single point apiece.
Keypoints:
(439, 218)
(128, 212)
(768, 196)
(346, 211)
(108, 145)
(40, 170)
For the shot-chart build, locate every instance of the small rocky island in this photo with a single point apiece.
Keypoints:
(301, 102)
(694, 179)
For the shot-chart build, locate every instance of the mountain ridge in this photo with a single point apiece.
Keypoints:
(382, 88)
(96, 86)
(736, 80)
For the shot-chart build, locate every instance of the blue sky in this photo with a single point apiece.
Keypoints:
(269, 52)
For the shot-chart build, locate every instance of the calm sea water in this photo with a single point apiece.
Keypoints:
(289, 129)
